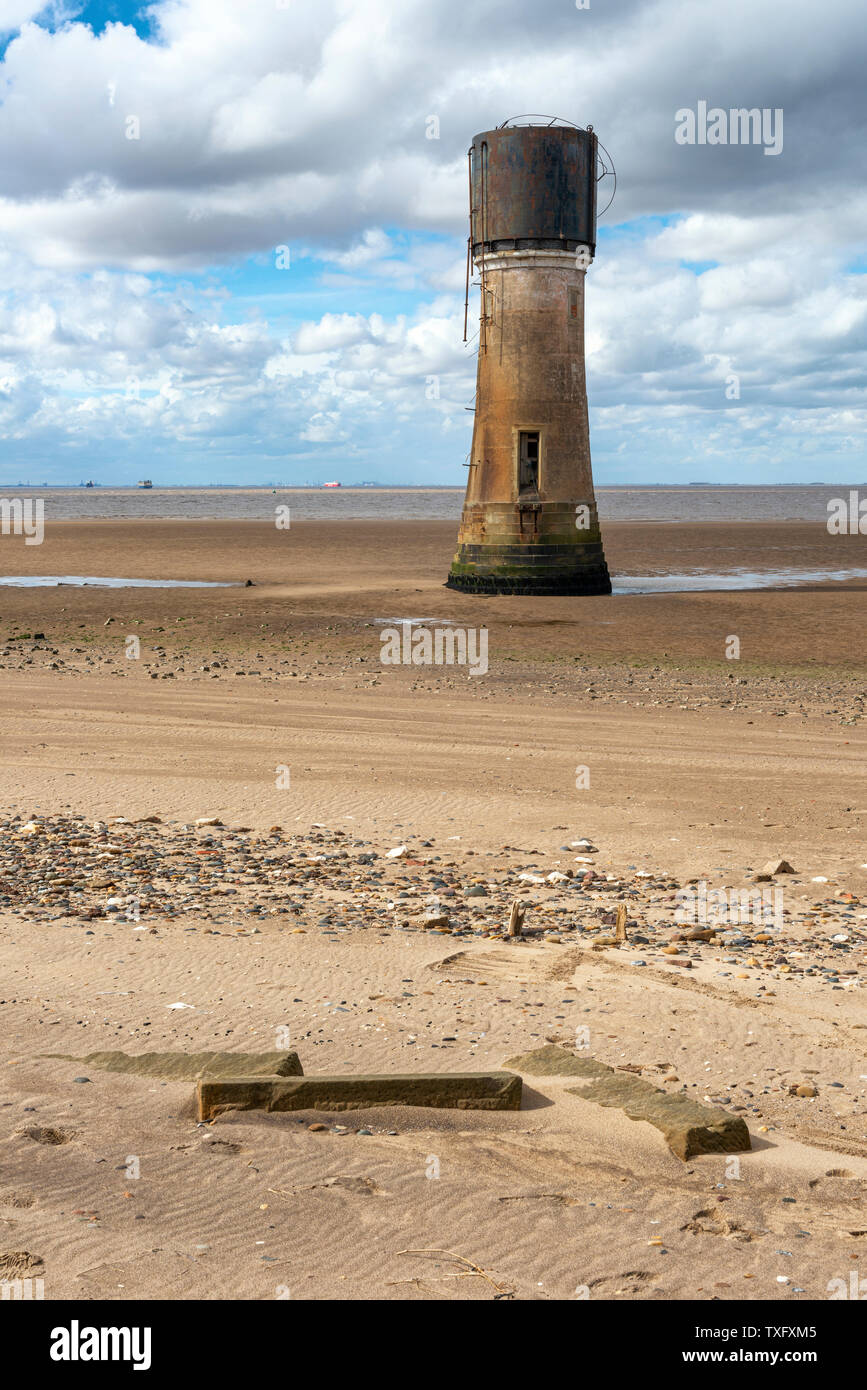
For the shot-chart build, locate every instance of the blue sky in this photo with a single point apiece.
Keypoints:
(156, 158)
(96, 16)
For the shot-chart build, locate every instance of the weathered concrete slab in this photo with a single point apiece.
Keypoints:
(556, 1061)
(191, 1066)
(497, 1090)
(689, 1127)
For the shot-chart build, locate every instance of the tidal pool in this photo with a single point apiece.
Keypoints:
(734, 579)
(44, 581)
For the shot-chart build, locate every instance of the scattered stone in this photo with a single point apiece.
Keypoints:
(126, 874)
(434, 919)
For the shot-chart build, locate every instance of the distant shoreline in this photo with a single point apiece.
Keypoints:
(399, 487)
(738, 504)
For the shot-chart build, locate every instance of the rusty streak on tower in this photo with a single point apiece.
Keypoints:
(529, 524)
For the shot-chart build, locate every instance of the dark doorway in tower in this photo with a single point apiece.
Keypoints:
(528, 461)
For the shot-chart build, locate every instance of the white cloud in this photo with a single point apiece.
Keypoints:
(306, 126)
(15, 13)
(116, 370)
(332, 331)
(258, 123)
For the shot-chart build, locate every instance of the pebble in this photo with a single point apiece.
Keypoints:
(123, 874)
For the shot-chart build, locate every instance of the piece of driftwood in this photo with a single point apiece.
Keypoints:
(516, 918)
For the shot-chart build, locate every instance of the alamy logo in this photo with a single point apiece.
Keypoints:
(22, 516)
(76, 1343)
(738, 126)
(21, 1290)
(728, 906)
(856, 1289)
(847, 517)
(440, 646)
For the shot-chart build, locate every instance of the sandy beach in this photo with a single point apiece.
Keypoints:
(611, 744)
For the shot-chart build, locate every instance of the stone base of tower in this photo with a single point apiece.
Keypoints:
(528, 549)
(479, 573)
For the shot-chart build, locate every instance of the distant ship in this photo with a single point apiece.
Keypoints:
(146, 482)
(332, 484)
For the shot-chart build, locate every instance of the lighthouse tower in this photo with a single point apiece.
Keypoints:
(529, 524)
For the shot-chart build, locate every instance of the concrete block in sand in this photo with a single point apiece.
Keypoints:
(689, 1128)
(499, 1090)
(191, 1066)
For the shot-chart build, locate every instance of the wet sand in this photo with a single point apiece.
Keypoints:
(352, 571)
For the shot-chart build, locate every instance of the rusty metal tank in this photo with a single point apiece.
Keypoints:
(533, 188)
